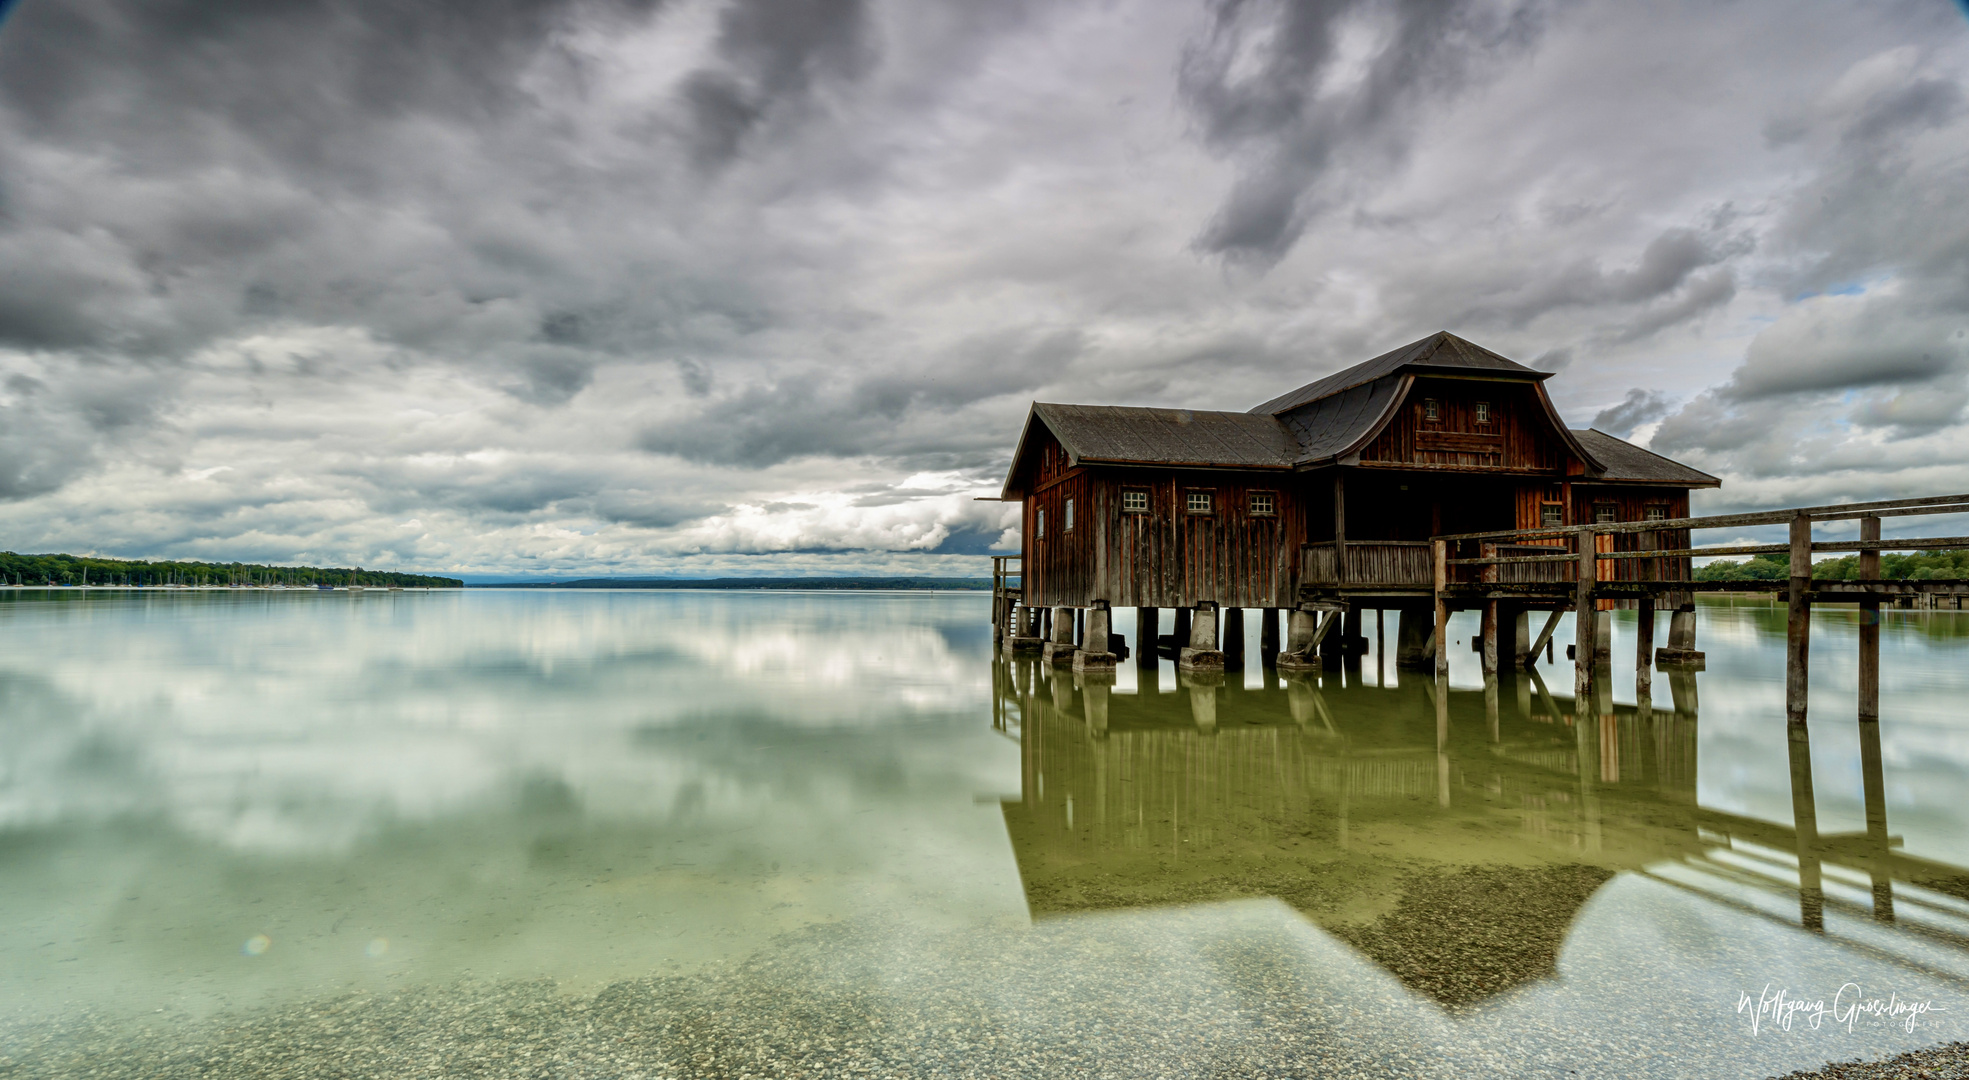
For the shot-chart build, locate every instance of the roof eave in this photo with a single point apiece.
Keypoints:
(1033, 416)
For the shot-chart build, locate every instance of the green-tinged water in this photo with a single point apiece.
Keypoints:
(613, 834)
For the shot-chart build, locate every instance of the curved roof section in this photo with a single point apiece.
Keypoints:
(1628, 463)
(1335, 424)
(1140, 436)
(1441, 351)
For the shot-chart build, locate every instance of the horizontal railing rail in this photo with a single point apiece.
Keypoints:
(1940, 504)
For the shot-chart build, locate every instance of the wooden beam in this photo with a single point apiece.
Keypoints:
(1798, 621)
(1442, 609)
(1644, 652)
(1870, 625)
(1941, 504)
(1586, 618)
(1340, 526)
(1544, 636)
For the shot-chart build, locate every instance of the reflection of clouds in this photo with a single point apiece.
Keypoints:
(1924, 737)
(293, 722)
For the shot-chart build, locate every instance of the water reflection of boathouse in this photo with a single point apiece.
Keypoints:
(1451, 836)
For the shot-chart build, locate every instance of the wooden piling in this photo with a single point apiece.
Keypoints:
(1586, 619)
(1644, 651)
(1490, 637)
(1798, 621)
(1805, 823)
(1441, 552)
(1490, 614)
(1870, 624)
(1873, 786)
(1147, 623)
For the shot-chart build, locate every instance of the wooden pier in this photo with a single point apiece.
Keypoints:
(1646, 563)
(1506, 575)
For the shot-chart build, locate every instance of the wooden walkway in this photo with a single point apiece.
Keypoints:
(1648, 562)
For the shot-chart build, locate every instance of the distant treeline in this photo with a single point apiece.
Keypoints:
(1921, 566)
(87, 570)
(843, 583)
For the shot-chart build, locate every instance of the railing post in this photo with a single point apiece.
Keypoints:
(1798, 621)
(1441, 552)
(1586, 618)
(1870, 624)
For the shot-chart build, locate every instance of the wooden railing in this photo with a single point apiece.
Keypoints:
(1596, 568)
(1007, 590)
(1369, 563)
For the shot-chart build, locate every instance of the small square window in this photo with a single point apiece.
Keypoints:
(1430, 409)
(1262, 504)
(1605, 513)
(1040, 527)
(1199, 502)
(1655, 513)
(1483, 412)
(1134, 502)
(1551, 515)
(1067, 523)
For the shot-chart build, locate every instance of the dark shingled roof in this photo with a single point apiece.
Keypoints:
(1331, 425)
(1324, 420)
(1169, 436)
(1626, 462)
(1440, 351)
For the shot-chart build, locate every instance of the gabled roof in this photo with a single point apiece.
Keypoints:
(1322, 422)
(1441, 352)
(1628, 463)
(1114, 433)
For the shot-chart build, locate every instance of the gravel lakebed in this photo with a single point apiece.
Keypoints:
(1186, 996)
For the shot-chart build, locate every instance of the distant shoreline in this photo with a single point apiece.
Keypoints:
(855, 584)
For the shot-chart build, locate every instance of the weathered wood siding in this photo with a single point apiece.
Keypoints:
(1408, 563)
(1518, 437)
(1166, 557)
(1632, 503)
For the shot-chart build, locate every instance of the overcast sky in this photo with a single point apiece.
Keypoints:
(766, 286)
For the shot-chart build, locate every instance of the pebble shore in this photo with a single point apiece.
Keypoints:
(1950, 1062)
(1229, 992)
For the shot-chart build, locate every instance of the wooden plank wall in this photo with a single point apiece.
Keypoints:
(1167, 557)
(1517, 438)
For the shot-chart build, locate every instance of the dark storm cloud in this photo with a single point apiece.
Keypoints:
(1639, 407)
(599, 282)
(832, 413)
(1309, 92)
(1662, 284)
(772, 53)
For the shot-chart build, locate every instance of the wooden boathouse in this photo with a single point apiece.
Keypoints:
(1322, 499)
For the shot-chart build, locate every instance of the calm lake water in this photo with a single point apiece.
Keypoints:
(614, 834)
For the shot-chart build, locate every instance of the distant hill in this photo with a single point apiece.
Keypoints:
(89, 570)
(840, 583)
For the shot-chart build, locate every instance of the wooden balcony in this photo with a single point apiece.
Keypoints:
(1371, 564)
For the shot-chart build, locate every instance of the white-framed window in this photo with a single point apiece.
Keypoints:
(1605, 513)
(1654, 513)
(1198, 502)
(1431, 409)
(1263, 504)
(1483, 412)
(1066, 520)
(1039, 527)
(1551, 515)
(1134, 501)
